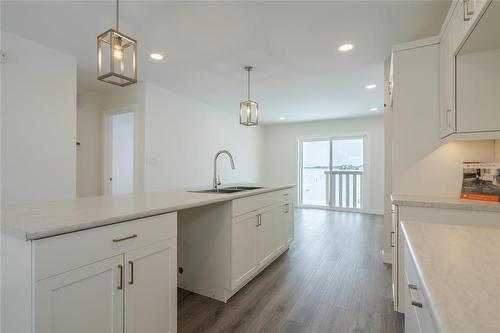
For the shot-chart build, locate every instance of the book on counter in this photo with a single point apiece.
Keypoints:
(481, 181)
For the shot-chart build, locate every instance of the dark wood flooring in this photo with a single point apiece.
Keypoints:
(332, 279)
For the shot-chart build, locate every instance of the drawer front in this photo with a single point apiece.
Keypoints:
(415, 294)
(249, 204)
(62, 253)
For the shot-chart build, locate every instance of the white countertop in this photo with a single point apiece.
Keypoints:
(36, 221)
(459, 268)
(445, 202)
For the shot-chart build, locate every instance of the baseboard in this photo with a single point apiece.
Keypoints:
(350, 210)
(386, 257)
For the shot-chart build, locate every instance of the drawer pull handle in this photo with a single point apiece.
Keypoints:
(417, 304)
(131, 263)
(392, 233)
(287, 208)
(285, 194)
(116, 240)
(412, 286)
(120, 268)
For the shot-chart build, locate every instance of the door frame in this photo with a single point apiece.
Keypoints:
(107, 149)
(366, 168)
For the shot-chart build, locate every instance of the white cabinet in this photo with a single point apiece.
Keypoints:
(109, 279)
(417, 313)
(86, 299)
(446, 88)
(424, 214)
(266, 236)
(151, 288)
(243, 248)
(283, 217)
(470, 71)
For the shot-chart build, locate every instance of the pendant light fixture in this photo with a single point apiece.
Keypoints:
(116, 56)
(249, 110)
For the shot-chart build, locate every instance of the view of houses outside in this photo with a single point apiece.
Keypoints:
(347, 155)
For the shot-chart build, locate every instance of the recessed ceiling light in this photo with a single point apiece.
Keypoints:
(282, 118)
(371, 86)
(374, 109)
(156, 56)
(345, 47)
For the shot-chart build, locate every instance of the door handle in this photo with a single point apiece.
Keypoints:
(131, 263)
(120, 285)
(392, 233)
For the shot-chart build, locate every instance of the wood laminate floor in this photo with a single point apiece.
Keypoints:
(332, 279)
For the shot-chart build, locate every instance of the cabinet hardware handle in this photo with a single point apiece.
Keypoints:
(448, 112)
(392, 233)
(417, 304)
(287, 208)
(116, 240)
(412, 286)
(466, 11)
(120, 286)
(131, 263)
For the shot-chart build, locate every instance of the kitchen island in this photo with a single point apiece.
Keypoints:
(115, 259)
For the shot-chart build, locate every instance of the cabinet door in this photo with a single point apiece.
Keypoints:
(243, 248)
(151, 288)
(289, 222)
(86, 299)
(266, 237)
(394, 247)
(446, 85)
(280, 227)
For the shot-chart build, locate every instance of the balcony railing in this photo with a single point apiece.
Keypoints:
(344, 189)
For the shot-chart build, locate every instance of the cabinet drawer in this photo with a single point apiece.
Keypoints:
(416, 294)
(249, 204)
(62, 253)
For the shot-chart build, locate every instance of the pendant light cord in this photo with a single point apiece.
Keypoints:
(249, 84)
(117, 15)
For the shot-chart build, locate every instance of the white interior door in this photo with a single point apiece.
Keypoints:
(87, 299)
(120, 153)
(151, 288)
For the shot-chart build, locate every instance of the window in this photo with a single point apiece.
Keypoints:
(332, 172)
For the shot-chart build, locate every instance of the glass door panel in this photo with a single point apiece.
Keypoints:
(315, 162)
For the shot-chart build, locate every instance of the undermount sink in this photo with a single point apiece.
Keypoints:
(229, 189)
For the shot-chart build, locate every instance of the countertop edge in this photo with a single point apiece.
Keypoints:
(20, 233)
(434, 202)
(434, 312)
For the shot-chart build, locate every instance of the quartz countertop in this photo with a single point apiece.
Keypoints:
(445, 202)
(35, 221)
(459, 267)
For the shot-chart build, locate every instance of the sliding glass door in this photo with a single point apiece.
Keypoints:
(332, 172)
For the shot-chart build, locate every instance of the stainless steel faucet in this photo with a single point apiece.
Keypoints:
(216, 176)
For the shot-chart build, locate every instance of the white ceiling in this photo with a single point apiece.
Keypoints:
(299, 74)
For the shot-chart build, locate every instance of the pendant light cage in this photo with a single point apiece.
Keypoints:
(249, 110)
(116, 56)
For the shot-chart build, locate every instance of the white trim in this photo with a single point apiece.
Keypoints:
(416, 44)
(346, 210)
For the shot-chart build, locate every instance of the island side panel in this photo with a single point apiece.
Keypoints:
(204, 250)
(16, 284)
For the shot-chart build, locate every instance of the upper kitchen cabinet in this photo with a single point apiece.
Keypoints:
(478, 75)
(470, 71)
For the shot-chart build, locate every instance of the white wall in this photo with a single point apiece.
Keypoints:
(182, 136)
(497, 150)
(89, 152)
(281, 161)
(38, 122)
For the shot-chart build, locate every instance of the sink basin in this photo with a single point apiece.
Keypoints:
(229, 189)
